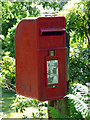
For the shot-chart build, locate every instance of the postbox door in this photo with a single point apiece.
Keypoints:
(52, 74)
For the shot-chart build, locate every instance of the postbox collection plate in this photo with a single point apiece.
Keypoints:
(52, 71)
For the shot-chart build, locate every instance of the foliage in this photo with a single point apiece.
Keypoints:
(9, 43)
(52, 5)
(55, 114)
(2, 115)
(77, 24)
(21, 102)
(79, 97)
(24, 117)
(77, 19)
(10, 12)
(14, 11)
(40, 114)
(79, 69)
(7, 79)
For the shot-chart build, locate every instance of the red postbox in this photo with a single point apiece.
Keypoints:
(40, 49)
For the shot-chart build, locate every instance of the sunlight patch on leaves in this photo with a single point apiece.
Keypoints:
(79, 98)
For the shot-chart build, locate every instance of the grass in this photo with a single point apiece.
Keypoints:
(6, 101)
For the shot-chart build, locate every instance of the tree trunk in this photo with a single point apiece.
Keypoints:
(61, 105)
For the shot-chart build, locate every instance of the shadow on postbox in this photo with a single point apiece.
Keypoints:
(40, 51)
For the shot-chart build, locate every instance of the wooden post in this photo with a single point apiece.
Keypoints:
(61, 105)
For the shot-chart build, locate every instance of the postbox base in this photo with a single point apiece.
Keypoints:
(55, 98)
